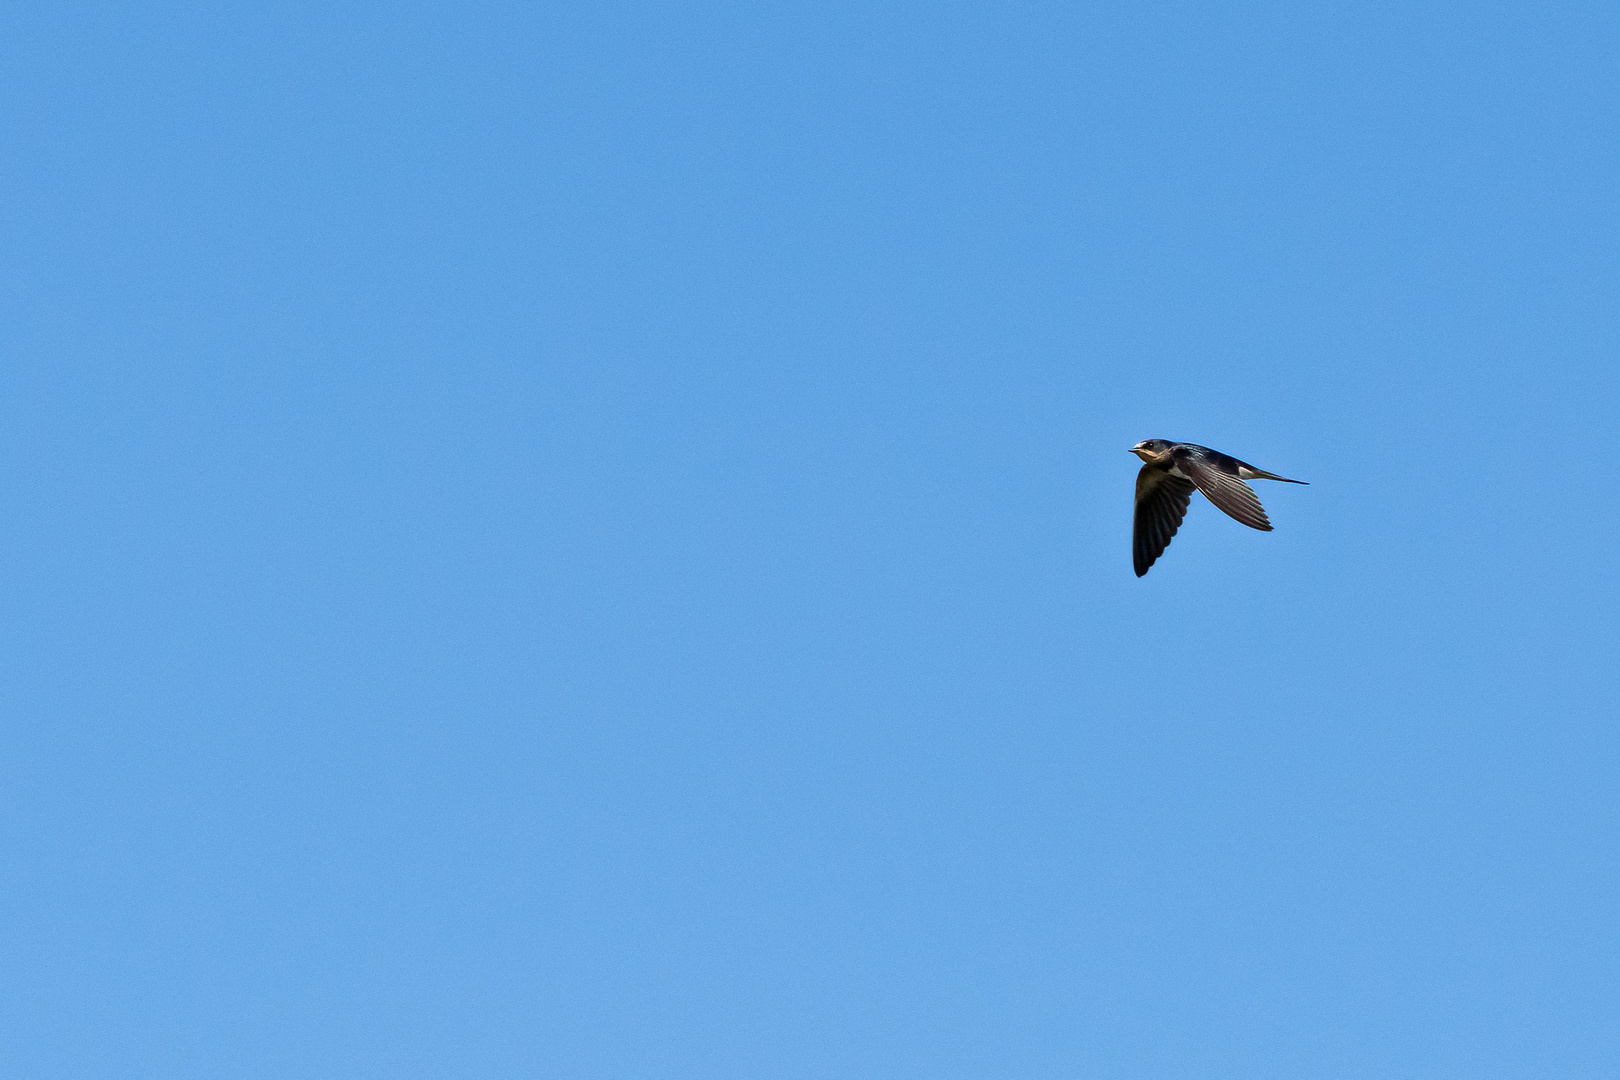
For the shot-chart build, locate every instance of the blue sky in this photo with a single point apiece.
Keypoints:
(592, 541)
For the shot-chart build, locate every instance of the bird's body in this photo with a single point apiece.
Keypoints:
(1171, 471)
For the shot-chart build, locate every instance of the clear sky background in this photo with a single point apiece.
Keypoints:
(593, 541)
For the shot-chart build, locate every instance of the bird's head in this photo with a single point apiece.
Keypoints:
(1148, 449)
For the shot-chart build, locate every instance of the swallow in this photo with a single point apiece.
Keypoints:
(1170, 472)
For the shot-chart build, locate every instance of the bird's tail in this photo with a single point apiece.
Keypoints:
(1261, 475)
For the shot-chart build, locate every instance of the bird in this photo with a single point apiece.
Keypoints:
(1170, 472)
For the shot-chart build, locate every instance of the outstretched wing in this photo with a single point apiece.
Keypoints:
(1161, 503)
(1216, 476)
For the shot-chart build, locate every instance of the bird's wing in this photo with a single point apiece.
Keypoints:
(1216, 476)
(1161, 503)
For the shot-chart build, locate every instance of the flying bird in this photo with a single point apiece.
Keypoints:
(1170, 471)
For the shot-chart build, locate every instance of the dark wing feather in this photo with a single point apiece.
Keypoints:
(1161, 503)
(1220, 484)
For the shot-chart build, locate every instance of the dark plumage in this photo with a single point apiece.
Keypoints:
(1164, 487)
